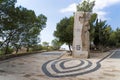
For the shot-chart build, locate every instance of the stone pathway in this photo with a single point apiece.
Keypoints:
(47, 66)
(58, 68)
(26, 67)
(116, 55)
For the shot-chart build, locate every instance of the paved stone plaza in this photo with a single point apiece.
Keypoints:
(49, 66)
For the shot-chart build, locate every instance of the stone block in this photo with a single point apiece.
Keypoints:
(81, 40)
(81, 55)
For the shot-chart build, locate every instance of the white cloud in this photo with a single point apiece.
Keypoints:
(100, 5)
(101, 15)
(70, 8)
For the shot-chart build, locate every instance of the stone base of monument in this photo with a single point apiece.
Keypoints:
(81, 54)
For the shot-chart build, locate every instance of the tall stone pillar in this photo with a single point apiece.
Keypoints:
(81, 35)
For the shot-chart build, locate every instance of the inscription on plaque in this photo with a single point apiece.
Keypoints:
(77, 47)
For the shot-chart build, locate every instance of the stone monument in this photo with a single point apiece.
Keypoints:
(81, 34)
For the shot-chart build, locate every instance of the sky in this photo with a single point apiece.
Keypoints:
(55, 10)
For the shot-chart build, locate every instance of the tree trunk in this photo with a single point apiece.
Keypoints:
(6, 49)
(17, 50)
(27, 49)
(70, 49)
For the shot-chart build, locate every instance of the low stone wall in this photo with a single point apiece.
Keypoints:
(4, 57)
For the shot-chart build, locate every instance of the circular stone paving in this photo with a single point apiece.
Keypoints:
(71, 64)
(70, 67)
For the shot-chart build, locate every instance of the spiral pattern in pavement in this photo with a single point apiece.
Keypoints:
(69, 67)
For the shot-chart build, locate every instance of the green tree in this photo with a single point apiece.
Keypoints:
(92, 22)
(118, 37)
(45, 45)
(112, 39)
(32, 30)
(101, 34)
(7, 22)
(37, 47)
(56, 44)
(86, 6)
(64, 31)
(19, 26)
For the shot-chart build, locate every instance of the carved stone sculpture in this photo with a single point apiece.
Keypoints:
(81, 34)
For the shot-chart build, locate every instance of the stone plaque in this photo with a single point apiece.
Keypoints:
(77, 47)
